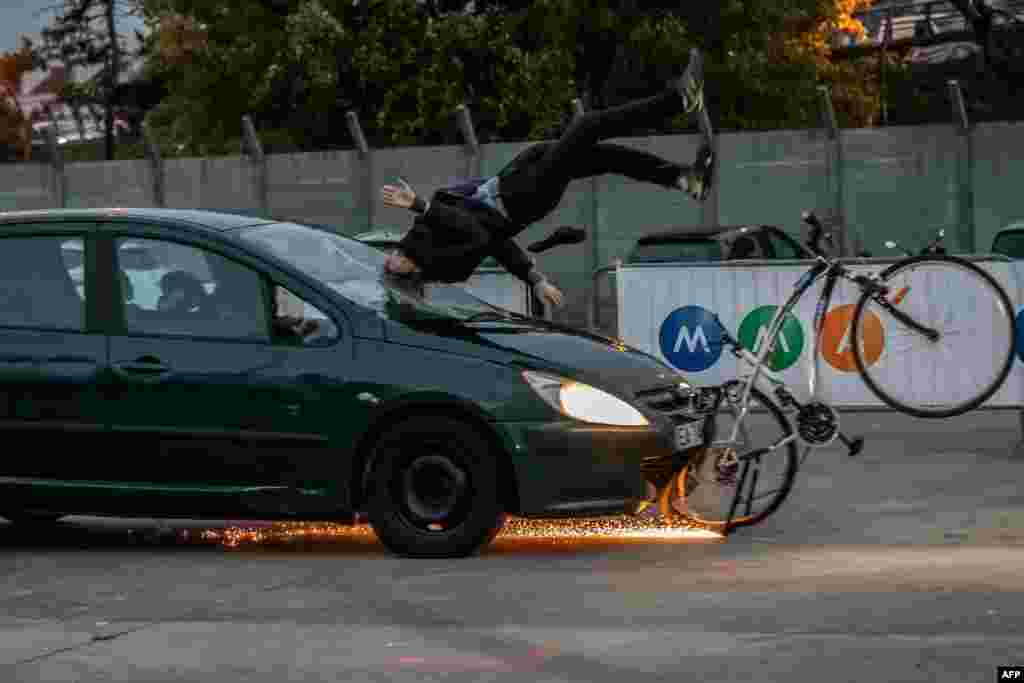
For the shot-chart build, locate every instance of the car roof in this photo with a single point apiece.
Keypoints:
(1012, 227)
(211, 220)
(682, 233)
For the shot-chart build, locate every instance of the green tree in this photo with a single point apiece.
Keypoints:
(15, 127)
(298, 65)
(84, 36)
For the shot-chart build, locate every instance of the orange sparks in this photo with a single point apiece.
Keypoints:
(623, 528)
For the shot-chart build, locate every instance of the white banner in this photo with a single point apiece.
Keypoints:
(668, 311)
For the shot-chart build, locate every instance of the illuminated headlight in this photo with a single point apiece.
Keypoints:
(583, 401)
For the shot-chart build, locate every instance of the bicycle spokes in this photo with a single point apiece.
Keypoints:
(946, 337)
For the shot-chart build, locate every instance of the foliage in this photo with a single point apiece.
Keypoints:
(297, 66)
(83, 37)
(15, 127)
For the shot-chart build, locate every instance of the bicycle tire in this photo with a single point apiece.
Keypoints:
(864, 367)
(665, 496)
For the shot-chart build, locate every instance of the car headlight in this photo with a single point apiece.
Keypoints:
(583, 401)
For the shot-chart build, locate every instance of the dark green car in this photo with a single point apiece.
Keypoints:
(213, 365)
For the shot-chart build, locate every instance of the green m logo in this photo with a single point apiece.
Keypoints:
(789, 344)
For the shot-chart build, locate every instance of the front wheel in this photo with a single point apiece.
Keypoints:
(953, 372)
(708, 486)
(434, 489)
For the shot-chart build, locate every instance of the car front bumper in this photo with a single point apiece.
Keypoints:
(573, 469)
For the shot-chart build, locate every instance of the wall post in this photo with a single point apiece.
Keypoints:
(58, 179)
(472, 147)
(594, 253)
(846, 245)
(156, 165)
(366, 194)
(964, 170)
(253, 148)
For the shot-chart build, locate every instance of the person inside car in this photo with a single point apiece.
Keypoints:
(181, 293)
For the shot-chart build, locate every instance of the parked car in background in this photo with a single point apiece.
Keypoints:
(691, 244)
(435, 416)
(386, 239)
(1010, 241)
(685, 245)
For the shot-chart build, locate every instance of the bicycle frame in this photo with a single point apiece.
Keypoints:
(775, 390)
(832, 271)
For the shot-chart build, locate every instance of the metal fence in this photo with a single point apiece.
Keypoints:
(898, 181)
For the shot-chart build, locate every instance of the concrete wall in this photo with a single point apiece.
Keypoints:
(899, 183)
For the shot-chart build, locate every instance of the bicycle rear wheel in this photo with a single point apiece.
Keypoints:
(964, 366)
(704, 490)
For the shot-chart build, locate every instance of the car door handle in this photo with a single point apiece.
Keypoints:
(145, 367)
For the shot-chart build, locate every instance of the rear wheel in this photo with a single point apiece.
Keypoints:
(434, 489)
(703, 492)
(960, 369)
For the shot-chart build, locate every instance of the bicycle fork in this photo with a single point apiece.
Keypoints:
(737, 394)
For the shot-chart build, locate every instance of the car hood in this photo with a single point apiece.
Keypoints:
(540, 345)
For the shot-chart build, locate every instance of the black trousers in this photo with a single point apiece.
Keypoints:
(533, 183)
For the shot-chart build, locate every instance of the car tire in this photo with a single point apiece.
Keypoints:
(433, 489)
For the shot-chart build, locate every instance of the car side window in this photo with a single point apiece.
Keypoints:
(296, 322)
(783, 248)
(42, 282)
(745, 247)
(168, 288)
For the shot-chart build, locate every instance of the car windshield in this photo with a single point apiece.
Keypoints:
(356, 271)
(1010, 244)
(693, 249)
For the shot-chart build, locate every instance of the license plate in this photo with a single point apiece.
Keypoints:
(689, 435)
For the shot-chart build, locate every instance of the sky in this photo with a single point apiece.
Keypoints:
(27, 17)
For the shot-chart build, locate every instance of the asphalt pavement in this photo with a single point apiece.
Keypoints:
(903, 564)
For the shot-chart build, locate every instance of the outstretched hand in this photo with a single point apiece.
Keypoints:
(548, 293)
(400, 197)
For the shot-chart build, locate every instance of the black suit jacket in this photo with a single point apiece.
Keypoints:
(450, 240)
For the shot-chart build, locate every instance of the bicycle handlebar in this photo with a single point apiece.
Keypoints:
(817, 232)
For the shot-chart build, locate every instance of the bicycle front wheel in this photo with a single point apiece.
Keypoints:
(953, 373)
(707, 487)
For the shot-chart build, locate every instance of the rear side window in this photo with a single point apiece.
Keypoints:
(175, 289)
(42, 283)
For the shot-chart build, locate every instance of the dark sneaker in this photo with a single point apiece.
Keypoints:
(701, 175)
(691, 84)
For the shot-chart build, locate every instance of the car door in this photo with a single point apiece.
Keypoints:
(52, 355)
(203, 396)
